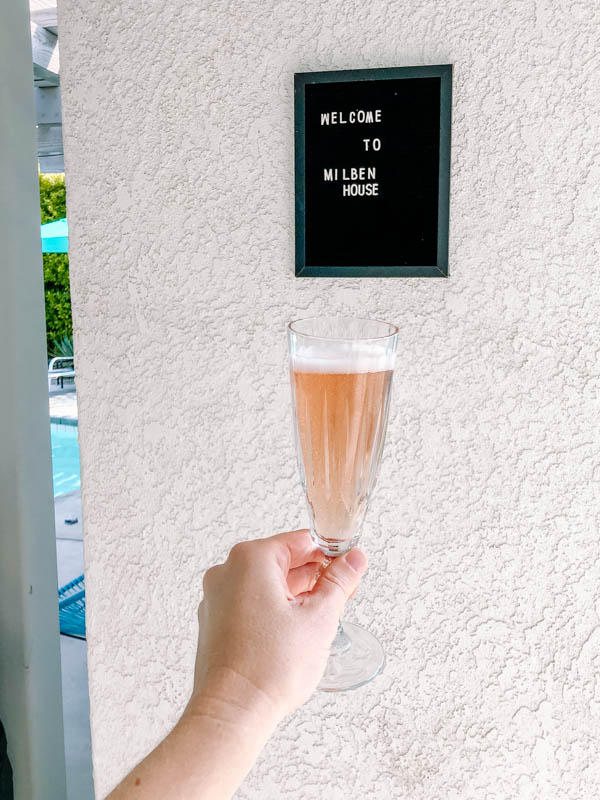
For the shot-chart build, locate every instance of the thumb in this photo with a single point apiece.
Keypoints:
(340, 579)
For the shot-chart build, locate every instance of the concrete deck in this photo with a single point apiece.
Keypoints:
(68, 507)
(76, 719)
(76, 702)
(63, 405)
(69, 556)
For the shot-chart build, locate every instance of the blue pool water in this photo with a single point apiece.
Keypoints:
(65, 459)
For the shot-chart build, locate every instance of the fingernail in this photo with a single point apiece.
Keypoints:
(356, 559)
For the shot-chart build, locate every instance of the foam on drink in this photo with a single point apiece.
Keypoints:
(341, 358)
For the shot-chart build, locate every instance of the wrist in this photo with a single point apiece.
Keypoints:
(233, 700)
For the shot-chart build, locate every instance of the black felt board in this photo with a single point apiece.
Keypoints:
(372, 172)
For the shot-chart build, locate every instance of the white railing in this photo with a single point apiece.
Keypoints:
(60, 373)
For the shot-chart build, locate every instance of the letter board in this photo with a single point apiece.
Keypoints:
(373, 172)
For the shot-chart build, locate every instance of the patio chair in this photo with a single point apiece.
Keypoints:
(71, 608)
(58, 372)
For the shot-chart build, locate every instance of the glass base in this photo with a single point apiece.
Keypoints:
(333, 548)
(356, 658)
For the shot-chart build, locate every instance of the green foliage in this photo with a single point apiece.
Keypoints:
(53, 206)
(62, 347)
(53, 197)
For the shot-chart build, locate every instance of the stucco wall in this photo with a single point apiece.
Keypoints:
(483, 535)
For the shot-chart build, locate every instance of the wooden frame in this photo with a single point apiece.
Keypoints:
(440, 268)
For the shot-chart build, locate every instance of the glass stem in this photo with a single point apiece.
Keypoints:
(341, 643)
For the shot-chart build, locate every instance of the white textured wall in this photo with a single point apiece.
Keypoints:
(483, 536)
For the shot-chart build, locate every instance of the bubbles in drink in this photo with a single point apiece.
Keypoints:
(341, 419)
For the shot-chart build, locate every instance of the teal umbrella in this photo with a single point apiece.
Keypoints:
(55, 237)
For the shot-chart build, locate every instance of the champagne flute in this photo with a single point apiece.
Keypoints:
(341, 376)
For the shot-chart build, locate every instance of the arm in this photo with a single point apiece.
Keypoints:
(266, 622)
(207, 754)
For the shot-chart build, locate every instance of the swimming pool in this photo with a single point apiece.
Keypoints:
(65, 458)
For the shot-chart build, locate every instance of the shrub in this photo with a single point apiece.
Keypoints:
(62, 347)
(53, 206)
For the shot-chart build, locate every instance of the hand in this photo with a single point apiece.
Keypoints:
(268, 617)
(267, 620)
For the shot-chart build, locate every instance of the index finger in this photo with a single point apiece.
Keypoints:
(296, 548)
